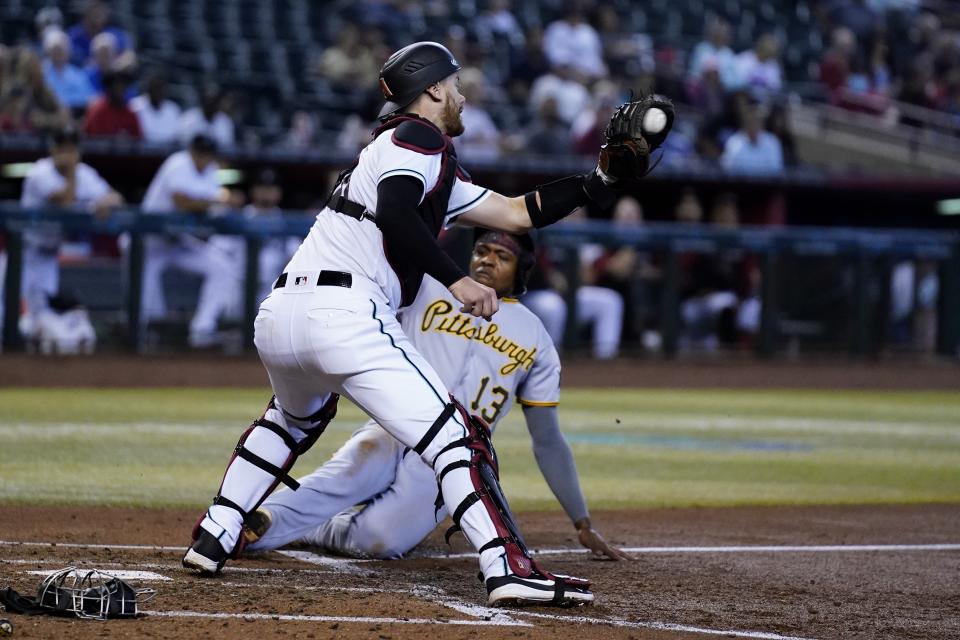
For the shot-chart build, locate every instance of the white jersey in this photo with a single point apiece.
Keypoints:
(337, 242)
(43, 180)
(486, 365)
(158, 124)
(179, 174)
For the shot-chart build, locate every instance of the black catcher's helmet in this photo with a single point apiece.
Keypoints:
(526, 256)
(409, 71)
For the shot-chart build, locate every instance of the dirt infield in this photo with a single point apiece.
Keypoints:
(710, 582)
(107, 370)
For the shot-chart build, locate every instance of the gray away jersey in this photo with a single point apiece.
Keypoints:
(486, 365)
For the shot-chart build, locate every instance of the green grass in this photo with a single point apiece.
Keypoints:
(634, 448)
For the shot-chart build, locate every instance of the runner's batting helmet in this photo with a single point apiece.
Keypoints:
(521, 245)
(408, 72)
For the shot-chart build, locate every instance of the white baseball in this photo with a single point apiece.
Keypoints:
(654, 120)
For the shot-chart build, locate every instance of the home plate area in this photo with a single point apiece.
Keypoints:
(740, 573)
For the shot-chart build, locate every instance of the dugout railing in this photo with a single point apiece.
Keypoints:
(869, 253)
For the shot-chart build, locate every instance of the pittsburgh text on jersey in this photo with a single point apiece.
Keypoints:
(437, 318)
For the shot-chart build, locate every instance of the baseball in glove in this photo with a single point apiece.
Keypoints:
(636, 130)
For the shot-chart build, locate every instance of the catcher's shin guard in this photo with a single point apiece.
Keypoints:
(468, 473)
(262, 459)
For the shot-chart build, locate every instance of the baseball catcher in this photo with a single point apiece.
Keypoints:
(330, 325)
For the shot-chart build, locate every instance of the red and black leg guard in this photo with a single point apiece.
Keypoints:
(484, 474)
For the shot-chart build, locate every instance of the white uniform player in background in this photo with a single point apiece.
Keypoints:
(275, 252)
(59, 181)
(330, 328)
(493, 365)
(187, 184)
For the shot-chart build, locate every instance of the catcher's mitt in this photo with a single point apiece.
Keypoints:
(636, 130)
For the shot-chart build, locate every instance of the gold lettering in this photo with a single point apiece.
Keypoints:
(437, 317)
(438, 308)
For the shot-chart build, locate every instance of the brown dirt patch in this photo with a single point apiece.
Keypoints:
(878, 594)
(195, 370)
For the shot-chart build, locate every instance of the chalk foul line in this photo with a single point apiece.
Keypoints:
(857, 548)
(500, 622)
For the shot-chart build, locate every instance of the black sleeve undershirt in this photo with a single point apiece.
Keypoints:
(406, 234)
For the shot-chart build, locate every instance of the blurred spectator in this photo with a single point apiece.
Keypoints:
(572, 42)
(587, 130)
(481, 139)
(706, 91)
(61, 181)
(715, 52)
(349, 65)
(867, 85)
(71, 85)
(914, 294)
(560, 85)
(836, 62)
(919, 89)
(758, 69)
(919, 43)
(158, 116)
(103, 59)
(46, 19)
(709, 305)
(209, 119)
(43, 112)
(265, 196)
(303, 132)
(688, 209)
(627, 54)
(109, 114)
(548, 134)
(187, 185)
(96, 20)
(628, 272)
(778, 123)
(715, 131)
(752, 150)
(597, 307)
(497, 22)
(526, 66)
(14, 110)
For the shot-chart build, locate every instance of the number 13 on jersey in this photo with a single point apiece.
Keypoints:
(500, 396)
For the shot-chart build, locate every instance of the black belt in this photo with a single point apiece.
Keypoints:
(349, 208)
(325, 279)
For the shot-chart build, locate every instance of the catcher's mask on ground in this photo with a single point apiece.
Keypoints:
(90, 594)
(502, 261)
(82, 593)
(408, 72)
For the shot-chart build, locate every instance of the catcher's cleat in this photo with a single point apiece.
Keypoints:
(205, 555)
(257, 525)
(514, 591)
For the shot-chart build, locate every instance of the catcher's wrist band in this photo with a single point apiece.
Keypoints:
(598, 190)
(559, 198)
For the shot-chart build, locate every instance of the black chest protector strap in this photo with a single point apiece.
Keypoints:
(410, 261)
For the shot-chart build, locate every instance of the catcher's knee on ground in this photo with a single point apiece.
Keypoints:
(262, 459)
